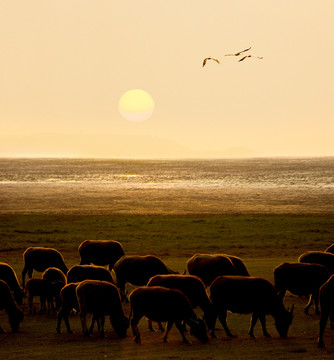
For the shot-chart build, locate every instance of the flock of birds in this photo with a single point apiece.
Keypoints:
(235, 54)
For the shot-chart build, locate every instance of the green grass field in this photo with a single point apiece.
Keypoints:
(263, 241)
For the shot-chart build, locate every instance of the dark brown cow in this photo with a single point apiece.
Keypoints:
(161, 304)
(318, 257)
(101, 298)
(245, 295)
(69, 301)
(78, 273)
(194, 289)
(8, 275)
(301, 279)
(47, 291)
(137, 270)
(208, 266)
(100, 252)
(41, 258)
(327, 308)
(7, 303)
(53, 274)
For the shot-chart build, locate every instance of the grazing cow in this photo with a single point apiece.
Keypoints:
(245, 295)
(301, 279)
(327, 308)
(47, 291)
(78, 273)
(330, 249)
(318, 257)
(137, 270)
(208, 267)
(194, 289)
(41, 258)
(53, 274)
(101, 298)
(69, 301)
(100, 252)
(161, 304)
(8, 304)
(8, 275)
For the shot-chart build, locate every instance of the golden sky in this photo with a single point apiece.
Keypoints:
(65, 64)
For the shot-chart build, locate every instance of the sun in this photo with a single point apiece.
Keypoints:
(136, 105)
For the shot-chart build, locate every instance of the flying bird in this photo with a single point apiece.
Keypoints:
(248, 56)
(238, 53)
(210, 58)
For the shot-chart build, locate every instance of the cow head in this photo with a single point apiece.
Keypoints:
(283, 322)
(120, 325)
(198, 329)
(15, 320)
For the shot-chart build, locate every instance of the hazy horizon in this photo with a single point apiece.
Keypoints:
(66, 64)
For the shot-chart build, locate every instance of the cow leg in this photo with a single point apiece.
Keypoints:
(168, 327)
(134, 325)
(150, 327)
(180, 327)
(316, 302)
(222, 318)
(262, 318)
(64, 314)
(96, 319)
(308, 305)
(24, 272)
(84, 323)
(32, 309)
(254, 319)
(43, 305)
(102, 334)
(322, 326)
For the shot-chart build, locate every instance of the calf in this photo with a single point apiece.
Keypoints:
(245, 295)
(194, 289)
(41, 258)
(100, 252)
(161, 304)
(301, 279)
(101, 298)
(7, 303)
(46, 291)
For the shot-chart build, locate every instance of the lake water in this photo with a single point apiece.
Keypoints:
(256, 185)
(267, 172)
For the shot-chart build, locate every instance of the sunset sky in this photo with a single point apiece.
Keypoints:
(65, 64)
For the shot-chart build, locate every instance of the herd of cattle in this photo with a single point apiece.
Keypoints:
(163, 295)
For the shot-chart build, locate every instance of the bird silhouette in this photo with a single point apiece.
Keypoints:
(248, 56)
(238, 53)
(210, 58)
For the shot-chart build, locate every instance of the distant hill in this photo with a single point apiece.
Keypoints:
(92, 145)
